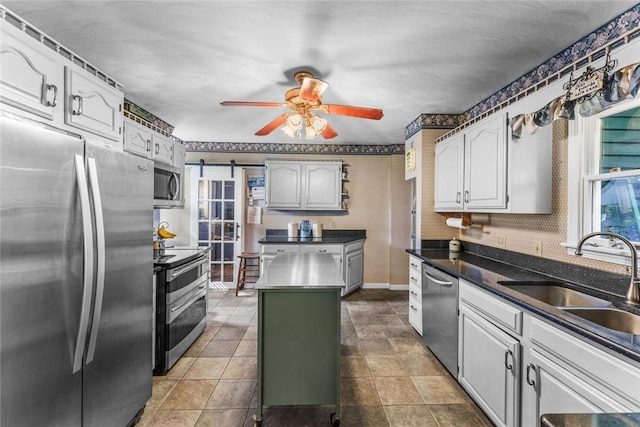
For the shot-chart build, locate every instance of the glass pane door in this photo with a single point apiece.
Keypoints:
(218, 219)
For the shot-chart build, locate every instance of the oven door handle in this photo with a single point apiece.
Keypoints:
(175, 311)
(187, 267)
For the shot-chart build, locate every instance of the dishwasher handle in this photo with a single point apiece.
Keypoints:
(438, 282)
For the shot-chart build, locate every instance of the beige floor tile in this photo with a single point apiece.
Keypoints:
(180, 368)
(251, 334)
(223, 311)
(350, 347)
(365, 319)
(235, 320)
(214, 320)
(207, 368)
(363, 416)
(409, 345)
(455, 415)
(369, 331)
(409, 416)
(222, 418)
(189, 394)
(421, 364)
(397, 391)
(241, 368)
(179, 418)
(438, 390)
(358, 391)
(398, 331)
(232, 394)
(245, 311)
(247, 348)
(354, 366)
(389, 319)
(196, 348)
(371, 346)
(230, 333)
(220, 348)
(386, 366)
(160, 391)
(347, 330)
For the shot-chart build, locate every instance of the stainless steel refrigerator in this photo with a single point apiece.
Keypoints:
(75, 279)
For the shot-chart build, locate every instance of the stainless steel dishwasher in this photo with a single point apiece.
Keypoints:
(440, 316)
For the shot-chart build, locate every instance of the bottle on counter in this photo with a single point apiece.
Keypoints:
(454, 245)
(305, 228)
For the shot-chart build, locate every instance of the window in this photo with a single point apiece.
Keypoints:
(604, 180)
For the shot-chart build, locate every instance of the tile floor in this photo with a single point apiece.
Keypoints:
(388, 378)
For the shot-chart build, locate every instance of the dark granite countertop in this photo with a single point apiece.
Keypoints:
(486, 273)
(174, 257)
(328, 236)
(581, 420)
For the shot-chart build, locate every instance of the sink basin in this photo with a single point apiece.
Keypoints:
(553, 293)
(610, 318)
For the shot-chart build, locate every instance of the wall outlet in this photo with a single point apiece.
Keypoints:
(501, 240)
(537, 247)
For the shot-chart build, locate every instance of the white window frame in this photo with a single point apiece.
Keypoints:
(583, 169)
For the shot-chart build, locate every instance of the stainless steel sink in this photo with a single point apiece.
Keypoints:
(610, 318)
(553, 293)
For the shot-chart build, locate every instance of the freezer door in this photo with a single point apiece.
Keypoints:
(117, 370)
(41, 269)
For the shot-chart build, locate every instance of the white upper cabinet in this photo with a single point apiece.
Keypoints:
(449, 179)
(303, 185)
(31, 77)
(484, 169)
(485, 164)
(137, 138)
(162, 148)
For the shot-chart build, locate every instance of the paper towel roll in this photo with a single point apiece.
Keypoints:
(317, 229)
(455, 223)
(292, 229)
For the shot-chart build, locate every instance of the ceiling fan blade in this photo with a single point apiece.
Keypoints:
(273, 125)
(349, 110)
(250, 104)
(329, 132)
(312, 89)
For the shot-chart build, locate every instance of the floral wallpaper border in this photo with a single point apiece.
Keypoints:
(244, 147)
(434, 121)
(614, 29)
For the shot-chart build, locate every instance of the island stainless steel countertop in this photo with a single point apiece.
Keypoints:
(312, 270)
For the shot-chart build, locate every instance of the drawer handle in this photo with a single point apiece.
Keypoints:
(413, 279)
(279, 250)
(322, 250)
(148, 148)
(530, 381)
(413, 293)
(466, 196)
(78, 111)
(413, 308)
(458, 197)
(54, 102)
(414, 265)
(507, 363)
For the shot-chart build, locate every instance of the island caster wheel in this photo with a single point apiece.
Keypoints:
(335, 422)
(257, 422)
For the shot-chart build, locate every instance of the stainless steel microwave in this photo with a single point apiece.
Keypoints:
(168, 186)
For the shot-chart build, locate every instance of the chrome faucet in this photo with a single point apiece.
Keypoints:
(633, 294)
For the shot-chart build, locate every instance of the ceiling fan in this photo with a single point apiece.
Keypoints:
(304, 101)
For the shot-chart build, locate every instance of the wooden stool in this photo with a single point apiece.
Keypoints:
(247, 270)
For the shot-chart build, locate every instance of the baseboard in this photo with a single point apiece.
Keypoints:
(385, 286)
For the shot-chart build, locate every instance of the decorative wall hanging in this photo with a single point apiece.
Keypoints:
(593, 92)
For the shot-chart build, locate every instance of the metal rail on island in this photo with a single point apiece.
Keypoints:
(299, 333)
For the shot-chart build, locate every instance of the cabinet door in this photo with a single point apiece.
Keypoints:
(489, 361)
(31, 76)
(179, 154)
(485, 184)
(162, 149)
(449, 174)
(283, 185)
(551, 389)
(322, 185)
(137, 138)
(354, 273)
(92, 105)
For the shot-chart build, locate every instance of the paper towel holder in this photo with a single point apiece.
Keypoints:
(469, 219)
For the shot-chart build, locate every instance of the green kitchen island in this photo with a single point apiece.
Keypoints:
(299, 333)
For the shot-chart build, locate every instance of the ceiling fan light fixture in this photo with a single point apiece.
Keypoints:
(293, 125)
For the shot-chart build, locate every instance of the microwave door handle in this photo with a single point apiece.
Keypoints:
(100, 250)
(87, 288)
(174, 188)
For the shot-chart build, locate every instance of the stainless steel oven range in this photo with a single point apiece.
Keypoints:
(181, 304)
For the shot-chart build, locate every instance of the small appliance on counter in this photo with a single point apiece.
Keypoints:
(292, 229)
(305, 229)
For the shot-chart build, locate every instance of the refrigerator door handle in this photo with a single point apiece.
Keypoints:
(87, 288)
(100, 251)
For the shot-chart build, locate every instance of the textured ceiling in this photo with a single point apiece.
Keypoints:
(180, 59)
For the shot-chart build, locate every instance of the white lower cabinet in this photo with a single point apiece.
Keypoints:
(415, 293)
(518, 366)
(489, 361)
